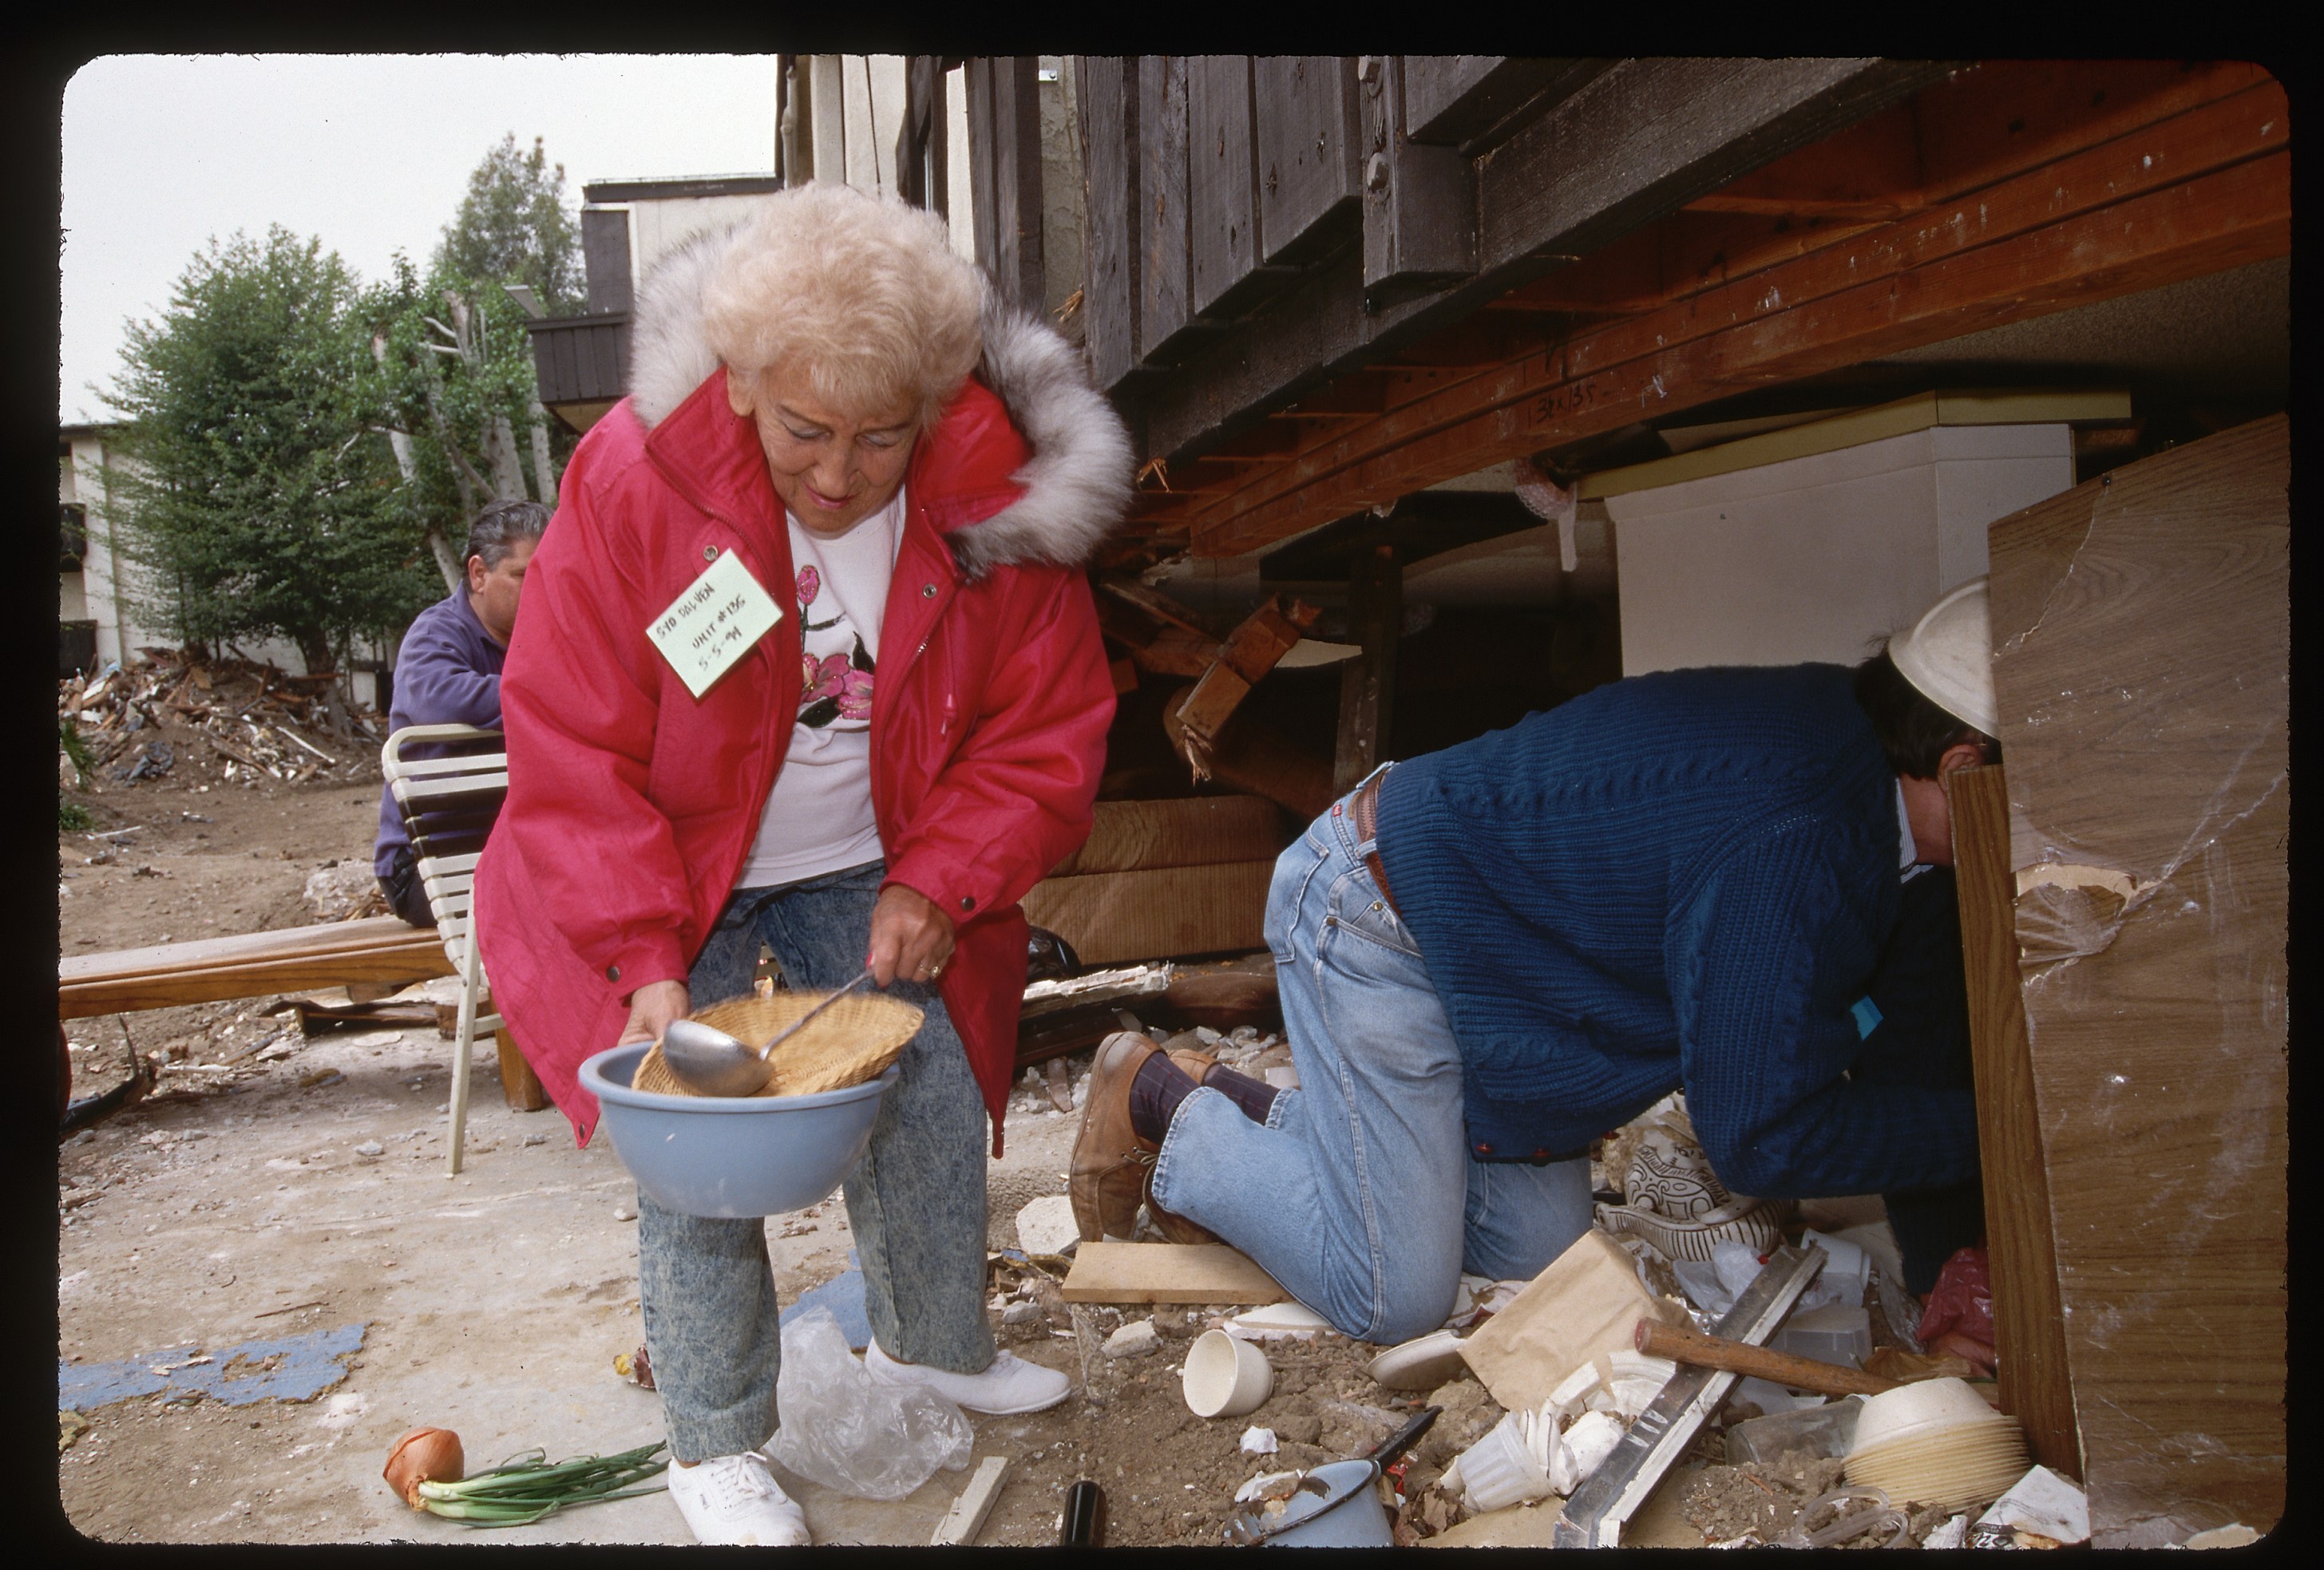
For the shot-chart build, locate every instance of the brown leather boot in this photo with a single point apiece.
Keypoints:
(1174, 1228)
(1110, 1163)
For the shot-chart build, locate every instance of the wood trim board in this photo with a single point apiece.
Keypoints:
(1168, 1273)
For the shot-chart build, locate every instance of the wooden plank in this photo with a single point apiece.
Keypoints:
(1152, 602)
(2093, 181)
(243, 948)
(1791, 327)
(976, 78)
(1164, 210)
(1175, 652)
(1260, 760)
(2142, 632)
(1189, 831)
(1157, 913)
(2029, 1329)
(2008, 115)
(1419, 202)
(1462, 100)
(912, 137)
(1308, 133)
(1018, 256)
(1222, 172)
(521, 1088)
(1870, 169)
(1435, 87)
(966, 1519)
(127, 993)
(1108, 114)
(1648, 136)
(1248, 653)
(1368, 682)
(1168, 1273)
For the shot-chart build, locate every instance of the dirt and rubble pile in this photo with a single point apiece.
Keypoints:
(224, 720)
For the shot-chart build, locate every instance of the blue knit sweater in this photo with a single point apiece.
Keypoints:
(1682, 880)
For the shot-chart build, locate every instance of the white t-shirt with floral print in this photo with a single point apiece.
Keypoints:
(818, 817)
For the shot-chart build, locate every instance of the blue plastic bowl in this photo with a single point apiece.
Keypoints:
(732, 1155)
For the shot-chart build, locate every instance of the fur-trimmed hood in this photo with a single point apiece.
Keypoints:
(1076, 483)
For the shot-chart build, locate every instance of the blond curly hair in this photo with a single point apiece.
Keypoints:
(864, 292)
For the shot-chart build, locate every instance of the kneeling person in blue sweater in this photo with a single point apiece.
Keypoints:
(1688, 880)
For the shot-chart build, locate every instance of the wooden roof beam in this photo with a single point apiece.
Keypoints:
(2207, 190)
(1636, 141)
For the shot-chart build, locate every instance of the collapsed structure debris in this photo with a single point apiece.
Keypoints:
(234, 721)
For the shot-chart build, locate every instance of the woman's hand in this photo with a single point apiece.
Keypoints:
(651, 1008)
(911, 939)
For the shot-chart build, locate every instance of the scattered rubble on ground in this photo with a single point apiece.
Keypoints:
(228, 722)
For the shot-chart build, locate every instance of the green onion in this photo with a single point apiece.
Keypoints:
(524, 1488)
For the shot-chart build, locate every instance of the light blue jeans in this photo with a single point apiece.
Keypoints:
(915, 1203)
(1357, 1193)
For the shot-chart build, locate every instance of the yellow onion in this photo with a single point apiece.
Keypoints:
(424, 1456)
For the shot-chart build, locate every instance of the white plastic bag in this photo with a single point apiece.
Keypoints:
(848, 1431)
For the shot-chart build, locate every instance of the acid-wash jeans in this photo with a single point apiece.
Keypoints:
(1357, 1193)
(915, 1203)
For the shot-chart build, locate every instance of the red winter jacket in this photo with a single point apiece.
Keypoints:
(632, 805)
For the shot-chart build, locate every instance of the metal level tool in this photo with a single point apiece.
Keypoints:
(1593, 1517)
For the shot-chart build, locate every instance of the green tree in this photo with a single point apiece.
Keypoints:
(453, 384)
(261, 498)
(513, 228)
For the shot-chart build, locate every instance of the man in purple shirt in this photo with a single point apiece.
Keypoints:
(448, 671)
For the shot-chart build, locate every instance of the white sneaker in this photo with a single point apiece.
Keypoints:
(1010, 1386)
(733, 1501)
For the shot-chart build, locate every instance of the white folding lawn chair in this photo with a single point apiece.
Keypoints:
(448, 797)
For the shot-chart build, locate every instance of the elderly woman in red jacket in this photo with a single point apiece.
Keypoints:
(826, 397)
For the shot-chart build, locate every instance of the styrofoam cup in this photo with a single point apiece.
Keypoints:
(1500, 1469)
(1225, 1376)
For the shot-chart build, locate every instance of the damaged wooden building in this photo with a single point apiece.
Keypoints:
(1463, 384)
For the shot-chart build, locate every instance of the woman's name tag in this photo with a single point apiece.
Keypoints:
(713, 625)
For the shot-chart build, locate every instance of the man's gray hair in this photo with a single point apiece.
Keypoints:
(500, 525)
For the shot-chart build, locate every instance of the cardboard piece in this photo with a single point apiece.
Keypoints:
(1582, 1309)
(1520, 1525)
(1108, 917)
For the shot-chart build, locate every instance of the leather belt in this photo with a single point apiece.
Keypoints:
(1363, 817)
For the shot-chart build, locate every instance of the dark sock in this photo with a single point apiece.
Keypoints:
(1155, 1095)
(1254, 1096)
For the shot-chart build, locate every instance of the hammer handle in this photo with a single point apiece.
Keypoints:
(1657, 1339)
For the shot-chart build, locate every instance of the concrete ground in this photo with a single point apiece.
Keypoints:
(310, 1193)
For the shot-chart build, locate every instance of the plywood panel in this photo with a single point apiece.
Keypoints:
(2029, 1334)
(1194, 832)
(1158, 914)
(2141, 626)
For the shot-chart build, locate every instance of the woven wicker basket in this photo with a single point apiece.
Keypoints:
(850, 1043)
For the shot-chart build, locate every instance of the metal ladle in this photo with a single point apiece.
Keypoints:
(710, 1062)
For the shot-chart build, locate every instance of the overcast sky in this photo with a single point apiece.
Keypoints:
(370, 152)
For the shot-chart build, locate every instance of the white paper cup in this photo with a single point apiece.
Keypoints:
(1225, 1377)
(1499, 1470)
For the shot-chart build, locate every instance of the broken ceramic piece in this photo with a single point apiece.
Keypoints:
(1419, 1365)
